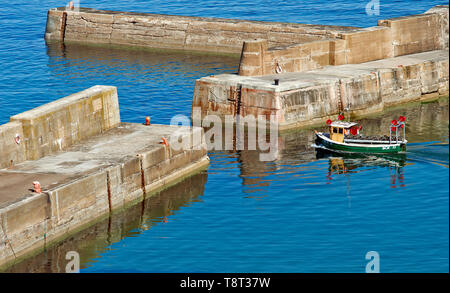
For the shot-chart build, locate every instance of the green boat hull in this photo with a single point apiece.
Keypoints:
(361, 148)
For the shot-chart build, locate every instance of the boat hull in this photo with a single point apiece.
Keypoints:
(360, 148)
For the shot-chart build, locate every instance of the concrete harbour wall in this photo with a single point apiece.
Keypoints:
(357, 71)
(143, 216)
(57, 125)
(265, 47)
(303, 98)
(11, 151)
(103, 165)
(177, 32)
(391, 38)
(37, 220)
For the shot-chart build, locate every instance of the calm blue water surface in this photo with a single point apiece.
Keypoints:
(299, 213)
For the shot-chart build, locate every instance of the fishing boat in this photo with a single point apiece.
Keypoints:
(344, 136)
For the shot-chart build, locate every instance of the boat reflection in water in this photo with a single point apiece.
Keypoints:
(346, 163)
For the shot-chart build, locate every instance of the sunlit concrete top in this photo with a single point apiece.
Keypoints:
(110, 148)
(328, 74)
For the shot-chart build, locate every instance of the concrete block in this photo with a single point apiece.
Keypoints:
(131, 179)
(429, 77)
(114, 186)
(362, 93)
(31, 211)
(152, 174)
(258, 98)
(414, 34)
(153, 157)
(131, 167)
(442, 15)
(252, 58)
(367, 45)
(80, 200)
(55, 126)
(53, 26)
(12, 145)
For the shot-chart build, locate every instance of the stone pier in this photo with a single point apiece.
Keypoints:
(310, 97)
(88, 164)
(354, 72)
(322, 70)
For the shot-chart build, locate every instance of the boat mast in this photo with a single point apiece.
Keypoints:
(390, 135)
(404, 131)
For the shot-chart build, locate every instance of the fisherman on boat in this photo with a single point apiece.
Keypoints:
(345, 137)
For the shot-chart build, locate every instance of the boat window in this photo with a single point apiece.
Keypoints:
(335, 130)
(340, 130)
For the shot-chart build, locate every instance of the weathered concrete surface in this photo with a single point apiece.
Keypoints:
(279, 47)
(417, 33)
(154, 210)
(309, 97)
(88, 164)
(391, 38)
(442, 11)
(55, 126)
(257, 59)
(11, 151)
(295, 149)
(89, 180)
(178, 32)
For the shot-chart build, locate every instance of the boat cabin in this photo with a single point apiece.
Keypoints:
(339, 129)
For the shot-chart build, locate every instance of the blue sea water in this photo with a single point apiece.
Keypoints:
(299, 213)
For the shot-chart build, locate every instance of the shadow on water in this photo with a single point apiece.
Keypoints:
(135, 220)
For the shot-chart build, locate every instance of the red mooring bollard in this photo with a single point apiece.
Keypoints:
(37, 187)
(164, 141)
(147, 120)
